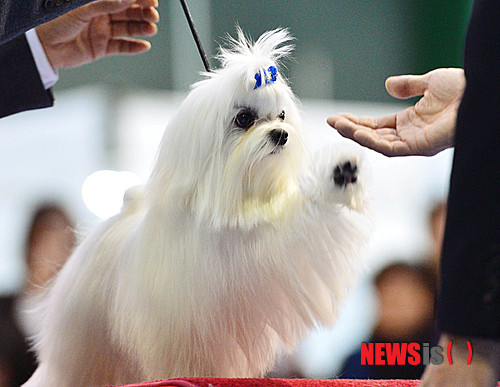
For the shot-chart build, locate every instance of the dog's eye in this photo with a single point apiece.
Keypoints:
(245, 119)
(281, 116)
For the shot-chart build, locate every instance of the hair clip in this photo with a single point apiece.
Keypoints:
(269, 76)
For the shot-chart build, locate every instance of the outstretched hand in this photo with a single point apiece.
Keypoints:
(98, 29)
(424, 129)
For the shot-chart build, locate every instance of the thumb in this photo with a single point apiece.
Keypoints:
(406, 86)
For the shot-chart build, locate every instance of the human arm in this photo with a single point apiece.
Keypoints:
(424, 129)
(98, 29)
(83, 35)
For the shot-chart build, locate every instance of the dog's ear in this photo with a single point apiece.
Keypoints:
(190, 145)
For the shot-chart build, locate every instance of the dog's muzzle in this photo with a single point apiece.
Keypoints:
(278, 137)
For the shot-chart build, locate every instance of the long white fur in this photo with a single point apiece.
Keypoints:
(230, 254)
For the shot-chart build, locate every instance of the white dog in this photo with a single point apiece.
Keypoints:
(238, 244)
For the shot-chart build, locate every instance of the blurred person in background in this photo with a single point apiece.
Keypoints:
(405, 295)
(49, 242)
(29, 62)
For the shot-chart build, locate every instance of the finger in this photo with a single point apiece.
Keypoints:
(371, 140)
(384, 140)
(390, 145)
(105, 7)
(345, 127)
(364, 121)
(406, 86)
(370, 122)
(149, 14)
(364, 136)
(127, 46)
(388, 121)
(147, 3)
(332, 120)
(133, 29)
(388, 134)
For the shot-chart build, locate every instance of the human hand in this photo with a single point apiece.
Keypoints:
(424, 129)
(483, 370)
(98, 29)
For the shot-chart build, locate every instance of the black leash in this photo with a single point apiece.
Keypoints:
(195, 36)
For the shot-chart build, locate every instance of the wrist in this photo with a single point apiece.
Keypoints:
(51, 55)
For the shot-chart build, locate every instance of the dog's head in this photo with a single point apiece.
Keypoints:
(233, 151)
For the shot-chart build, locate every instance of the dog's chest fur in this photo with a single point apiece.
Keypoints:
(233, 287)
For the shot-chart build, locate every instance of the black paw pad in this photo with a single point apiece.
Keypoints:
(345, 174)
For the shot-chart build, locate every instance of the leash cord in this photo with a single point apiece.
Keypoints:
(195, 35)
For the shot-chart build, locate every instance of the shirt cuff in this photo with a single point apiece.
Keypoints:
(48, 75)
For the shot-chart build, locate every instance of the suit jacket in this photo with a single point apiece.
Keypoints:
(14, 348)
(18, 16)
(20, 85)
(469, 300)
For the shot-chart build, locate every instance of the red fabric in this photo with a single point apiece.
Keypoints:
(222, 382)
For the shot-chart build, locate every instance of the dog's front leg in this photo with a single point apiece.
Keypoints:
(336, 177)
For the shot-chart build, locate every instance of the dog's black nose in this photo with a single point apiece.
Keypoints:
(278, 136)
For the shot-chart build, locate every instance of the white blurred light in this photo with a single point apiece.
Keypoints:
(103, 191)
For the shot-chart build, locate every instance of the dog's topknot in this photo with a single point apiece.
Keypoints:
(268, 47)
(245, 57)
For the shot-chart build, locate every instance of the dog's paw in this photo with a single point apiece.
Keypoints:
(345, 173)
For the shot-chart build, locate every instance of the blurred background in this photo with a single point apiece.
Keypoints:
(102, 134)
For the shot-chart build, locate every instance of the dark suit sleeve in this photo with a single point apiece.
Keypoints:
(469, 300)
(20, 85)
(18, 16)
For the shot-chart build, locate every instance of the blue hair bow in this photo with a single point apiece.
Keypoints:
(269, 75)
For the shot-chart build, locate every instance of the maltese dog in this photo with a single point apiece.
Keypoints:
(239, 243)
